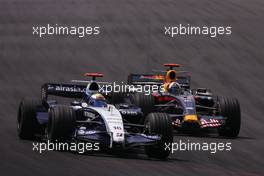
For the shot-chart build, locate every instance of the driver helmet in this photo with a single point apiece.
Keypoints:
(97, 100)
(174, 88)
(91, 88)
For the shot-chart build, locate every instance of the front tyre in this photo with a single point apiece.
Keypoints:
(230, 109)
(159, 124)
(61, 123)
(27, 124)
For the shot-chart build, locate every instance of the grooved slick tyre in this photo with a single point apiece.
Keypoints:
(117, 97)
(230, 109)
(159, 123)
(61, 123)
(26, 118)
(145, 102)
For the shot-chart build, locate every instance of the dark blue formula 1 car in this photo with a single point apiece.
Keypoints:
(90, 118)
(189, 109)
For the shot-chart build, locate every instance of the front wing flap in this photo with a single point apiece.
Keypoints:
(131, 139)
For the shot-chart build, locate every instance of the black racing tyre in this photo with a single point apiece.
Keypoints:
(61, 123)
(161, 124)
(230, 109)
(117, 97)
(145, 102)
(27, 124)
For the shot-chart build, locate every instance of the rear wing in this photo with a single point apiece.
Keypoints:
(144, 79)
(63, 90)
(152, 79)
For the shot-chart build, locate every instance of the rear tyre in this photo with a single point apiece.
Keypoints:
(145, 102)
(160, 124)
(117, 97)
(27, 124)
(61, 124)
(230, 109)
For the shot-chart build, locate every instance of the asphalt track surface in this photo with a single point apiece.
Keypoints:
(132, 40)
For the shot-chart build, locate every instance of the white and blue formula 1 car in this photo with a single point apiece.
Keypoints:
(89, 118)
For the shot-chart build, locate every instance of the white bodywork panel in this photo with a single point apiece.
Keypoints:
(113, 122)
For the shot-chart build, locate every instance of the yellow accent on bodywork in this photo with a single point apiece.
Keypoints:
(190, 118)
(165, 87)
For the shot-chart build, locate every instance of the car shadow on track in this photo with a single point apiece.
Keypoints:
(129, 154)
(126, 154)
(212, 135)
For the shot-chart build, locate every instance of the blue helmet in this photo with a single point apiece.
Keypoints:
(175, 88)
(97, 100)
